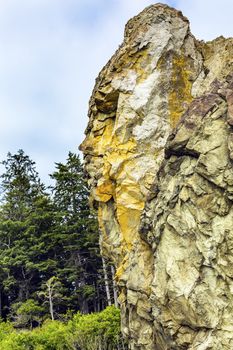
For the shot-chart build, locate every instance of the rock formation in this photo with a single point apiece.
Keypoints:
(159, 153)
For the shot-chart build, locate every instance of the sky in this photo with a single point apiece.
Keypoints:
(51, 51)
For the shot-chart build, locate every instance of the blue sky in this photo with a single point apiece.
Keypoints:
(51, 52)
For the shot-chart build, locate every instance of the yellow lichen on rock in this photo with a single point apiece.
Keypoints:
(104, 191)
(182, 85)
(129, 220)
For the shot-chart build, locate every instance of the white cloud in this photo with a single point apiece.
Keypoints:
(51, 53)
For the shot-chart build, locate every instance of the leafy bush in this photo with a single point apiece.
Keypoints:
(6, 328)
(24, 314)
(84, 332)
(97, 330)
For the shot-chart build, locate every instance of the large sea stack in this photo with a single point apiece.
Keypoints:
(159, 154)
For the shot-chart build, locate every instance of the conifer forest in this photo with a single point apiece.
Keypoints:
(54, 285)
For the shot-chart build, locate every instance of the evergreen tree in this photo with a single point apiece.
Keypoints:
(26, 219)
(45, 239)
(80, 262)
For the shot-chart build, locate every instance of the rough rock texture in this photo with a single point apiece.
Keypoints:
(159, 153)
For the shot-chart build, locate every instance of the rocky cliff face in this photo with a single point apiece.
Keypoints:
(159, 153)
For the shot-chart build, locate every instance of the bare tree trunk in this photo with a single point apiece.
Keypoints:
(84, 308)
(114, 286)
(51, 308)
(106, 282)
(50, 302)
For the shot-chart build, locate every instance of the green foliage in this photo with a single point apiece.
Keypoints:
(49, 262)
(84, 332)
(97, 330)
(6, 328)
(51, 293)
(77, 231)
(26, 226)
(44, 236)
(25, 313)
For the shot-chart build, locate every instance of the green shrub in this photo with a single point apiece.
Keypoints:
(24, 314)
(53, 335)
(6, 328)
(84, 332)
(97, 330)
